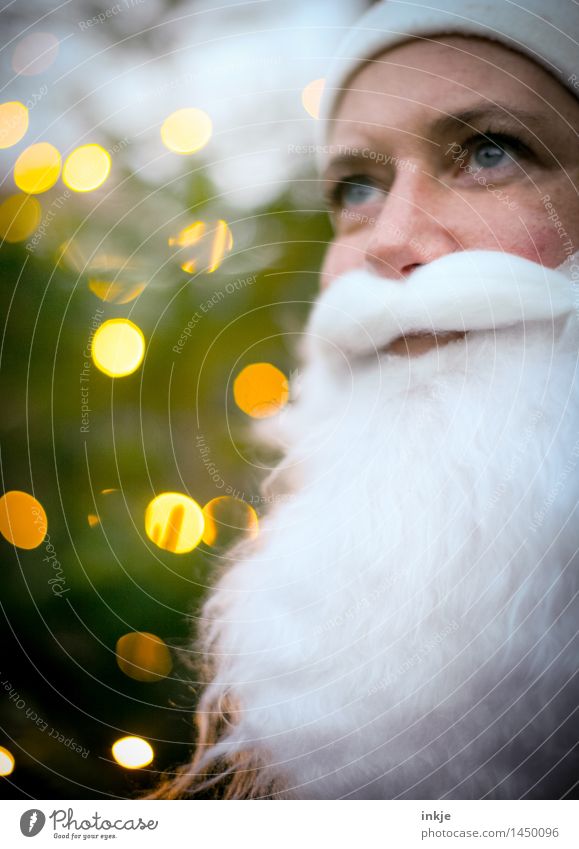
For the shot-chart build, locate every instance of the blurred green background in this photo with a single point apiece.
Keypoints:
(58, 668)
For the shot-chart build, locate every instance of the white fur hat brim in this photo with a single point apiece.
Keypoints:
(545, 30)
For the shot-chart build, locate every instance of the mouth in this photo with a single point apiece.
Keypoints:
(415, 344)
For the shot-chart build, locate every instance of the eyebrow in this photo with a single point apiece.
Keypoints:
(489, 113)
(446, 123)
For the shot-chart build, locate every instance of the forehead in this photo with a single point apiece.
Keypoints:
(407, 85)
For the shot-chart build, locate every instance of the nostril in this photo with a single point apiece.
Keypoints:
(408, 269)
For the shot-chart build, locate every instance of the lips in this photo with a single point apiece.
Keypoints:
(419, 343)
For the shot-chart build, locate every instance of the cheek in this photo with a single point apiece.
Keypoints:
(342, 255)
(533, 236)
(553, 228)
(533, 229)
(543, 227)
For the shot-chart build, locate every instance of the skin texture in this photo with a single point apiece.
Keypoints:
(440, 189)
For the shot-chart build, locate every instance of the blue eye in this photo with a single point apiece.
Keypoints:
(489, 155)
(351, 191)
(494, 150)
(356, 191)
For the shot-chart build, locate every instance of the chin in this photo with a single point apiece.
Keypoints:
(404, 626)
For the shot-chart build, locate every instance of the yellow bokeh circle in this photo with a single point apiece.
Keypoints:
(20, 215)
(37, 168)
(23, 520)
(204, 246)
(312, 95)
(143, 656)
(227, 519)
(13, 123)
(6, 761)
(186, 130)
(86, 168)
(132, 752)
(260, 390)
(118, 347)
(174, 522)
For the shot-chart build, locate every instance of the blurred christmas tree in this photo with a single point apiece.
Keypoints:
(213, 290)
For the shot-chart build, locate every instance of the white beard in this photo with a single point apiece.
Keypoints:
(403, 626)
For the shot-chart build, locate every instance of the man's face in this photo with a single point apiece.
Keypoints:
(445, 146)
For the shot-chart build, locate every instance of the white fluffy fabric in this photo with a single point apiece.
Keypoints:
(547, 33)
(405, 626)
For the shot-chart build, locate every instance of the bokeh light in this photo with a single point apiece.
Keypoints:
(260, 390)
(93, 520)
(132, 752)
(115, 292)
(20, 215)
(175, 522)
(70, 256)
(86, 168)
(23, 520)
(118, 347)
(211, 245)
(114, 279)
(186, 238)
(37, 168)
(6, 761)
(13, 123)
(35, 53)
(227, 519)
(143, 656)
(312, 95)
(189, 235)
(186, 130)
(222, 244)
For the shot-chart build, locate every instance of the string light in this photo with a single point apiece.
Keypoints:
(211, 245)
(13, 123)
(20, 215)
(222, 243)
(118, 347)
(143, 656)
(86, 168)
(132, 752)
(115, 292)
(227, 518)
(312, 95)
(175, 522)
(6, 761)
(260, 390)
(186, 130)
(70, 256)
(115, 279)
(37, 168)
(23, 520)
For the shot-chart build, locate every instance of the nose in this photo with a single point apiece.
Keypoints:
(410, 230)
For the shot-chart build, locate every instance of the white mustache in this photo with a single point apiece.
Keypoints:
(361, 313)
